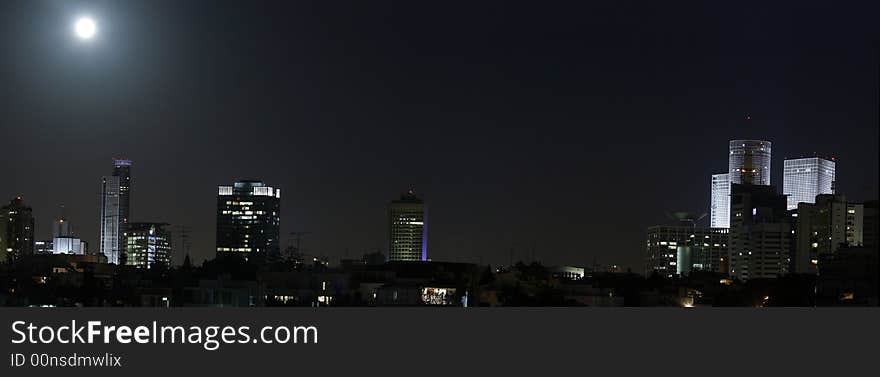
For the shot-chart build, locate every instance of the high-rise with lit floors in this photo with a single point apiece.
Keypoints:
(248, 220)
(16, 230)
(122, 169)
(751, 155)
(147, 245)
(805, 178)
(720, 207)
(407, 229)
(823, 228)
(680, 247)
(761, 238)
(115, 210)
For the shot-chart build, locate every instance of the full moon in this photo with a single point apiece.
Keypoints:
(85, 28)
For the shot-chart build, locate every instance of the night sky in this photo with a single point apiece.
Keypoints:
(564, 126)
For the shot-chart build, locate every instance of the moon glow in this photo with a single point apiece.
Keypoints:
(85, 28)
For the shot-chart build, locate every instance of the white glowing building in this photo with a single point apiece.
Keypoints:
(749, 157)
(805, 178)
(110, 240)
(720, 206)
(746, 158)
(115, 210)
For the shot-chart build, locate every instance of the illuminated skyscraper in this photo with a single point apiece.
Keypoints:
(719, 209)
(147, 244)
(16, 230)
(750, 158)
(248, 219)
(111, 234)
(407, 229)
(115, 210)
(746, 158)
(805, 178)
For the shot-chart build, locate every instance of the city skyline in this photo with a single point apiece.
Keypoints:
(254, 189)
(192, 185)
(519, 137)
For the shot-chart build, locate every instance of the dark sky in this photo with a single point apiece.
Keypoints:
(567, 126)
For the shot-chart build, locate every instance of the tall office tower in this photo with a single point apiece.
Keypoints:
(823, 228)
(147, 245)
(248, 218)
(750, 158)
(761, 233)
(407, 229)
(115, 210)
(122, 169)
(111, 233)
(805, 178)
(720, 208)
(682, 247)
(16, 230)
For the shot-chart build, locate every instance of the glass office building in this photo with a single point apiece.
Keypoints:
(679, 250)
(720, 207)
(115, 210)
(746, 158)
(752, 158)
(147, 244)
(407, 229)
(805, 178)
(111, 220)
(122, 169)
(248, 219)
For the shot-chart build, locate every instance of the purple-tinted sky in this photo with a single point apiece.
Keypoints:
(571, 126)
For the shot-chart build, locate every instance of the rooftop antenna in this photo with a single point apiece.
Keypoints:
(185, 243)
(297, 239)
